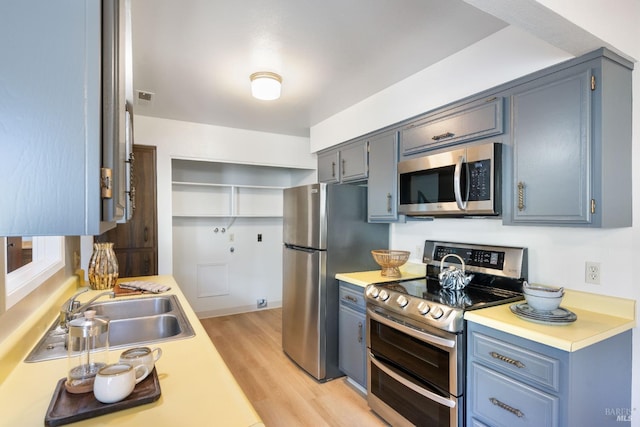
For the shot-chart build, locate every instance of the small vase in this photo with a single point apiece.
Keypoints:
(103, 266)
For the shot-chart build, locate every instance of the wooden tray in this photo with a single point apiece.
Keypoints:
(68, 408)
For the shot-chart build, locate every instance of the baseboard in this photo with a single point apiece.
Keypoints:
(355, 385)
(236, 310)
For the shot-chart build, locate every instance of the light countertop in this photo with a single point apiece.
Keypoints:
(364, 278)
(598, 317)
(197, 387)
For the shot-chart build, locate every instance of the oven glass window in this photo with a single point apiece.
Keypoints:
(416, 408)
(428, 186)
(426, 362)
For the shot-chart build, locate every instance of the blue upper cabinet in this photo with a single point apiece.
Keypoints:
(51, 132)
(454, 125)
(382, 188)
(346, 163)
(571, 137)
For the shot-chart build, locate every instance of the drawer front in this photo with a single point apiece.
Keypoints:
(503, 401)
(516, 360)
(353, 297)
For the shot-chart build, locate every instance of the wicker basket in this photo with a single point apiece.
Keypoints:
(390, 260)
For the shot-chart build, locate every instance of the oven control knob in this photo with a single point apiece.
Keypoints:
(437, 313)
(374, 292)
(423, 308)
(384, 295)
(402, 301)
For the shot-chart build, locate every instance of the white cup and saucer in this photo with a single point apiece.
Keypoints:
(141, 356)
(115, 382)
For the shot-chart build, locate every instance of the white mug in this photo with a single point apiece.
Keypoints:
(141, 356)
(115, 382)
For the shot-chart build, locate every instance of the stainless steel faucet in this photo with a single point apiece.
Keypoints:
(72, 309)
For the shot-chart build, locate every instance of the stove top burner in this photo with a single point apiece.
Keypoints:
(498, 273)
(470, 298)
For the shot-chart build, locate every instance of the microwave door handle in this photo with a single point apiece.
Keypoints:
(457, 191)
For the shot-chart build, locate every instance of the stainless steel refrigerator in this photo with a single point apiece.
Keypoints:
(325, 232)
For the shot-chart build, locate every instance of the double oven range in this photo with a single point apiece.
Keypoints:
(416, 332)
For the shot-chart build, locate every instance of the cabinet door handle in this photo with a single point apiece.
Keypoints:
(516, 363)
(442, 136)
(333, 169)
(132, 179)
(146, 234)
(343, 167)
(514, 411)
(350, 298)
(389, 202)
(521, 196)
(360, 332)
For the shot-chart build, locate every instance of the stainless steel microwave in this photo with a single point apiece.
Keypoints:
(458, 182)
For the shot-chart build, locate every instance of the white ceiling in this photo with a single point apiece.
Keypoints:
(196, 55)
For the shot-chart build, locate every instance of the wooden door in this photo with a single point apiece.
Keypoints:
(136, 242)
(15, 254)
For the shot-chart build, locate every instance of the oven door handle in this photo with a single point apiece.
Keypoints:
(422, 336)
(426, 393)
(457, 187)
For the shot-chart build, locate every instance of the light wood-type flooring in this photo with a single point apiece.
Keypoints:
(282, 393)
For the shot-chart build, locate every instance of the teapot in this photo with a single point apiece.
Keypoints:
(453, 278)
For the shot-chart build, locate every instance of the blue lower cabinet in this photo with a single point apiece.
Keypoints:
(505, 401)
(514, 382)
(352, 344)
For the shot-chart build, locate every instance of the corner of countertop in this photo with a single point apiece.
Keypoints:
(603, 304)
(599, 317)
(417, 268)
(363, 278)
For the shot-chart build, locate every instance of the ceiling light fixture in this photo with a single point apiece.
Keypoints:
(265, 85)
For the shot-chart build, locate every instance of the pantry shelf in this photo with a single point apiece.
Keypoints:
(197, 199)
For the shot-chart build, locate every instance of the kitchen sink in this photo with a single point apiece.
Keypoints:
(134, 321)
(143, 329)
(137, 307)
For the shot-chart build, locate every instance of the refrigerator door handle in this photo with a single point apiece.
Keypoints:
(300, 248)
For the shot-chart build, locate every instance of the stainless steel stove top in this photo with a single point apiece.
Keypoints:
(498, 274)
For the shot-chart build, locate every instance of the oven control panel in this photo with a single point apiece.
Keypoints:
(504, 261)
(473, 257)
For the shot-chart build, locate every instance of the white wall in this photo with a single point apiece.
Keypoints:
(175, 139)
(556, 255)
(219, 276)
(499, 58)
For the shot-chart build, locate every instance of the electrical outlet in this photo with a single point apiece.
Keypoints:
(261, 303)
(592, 272)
